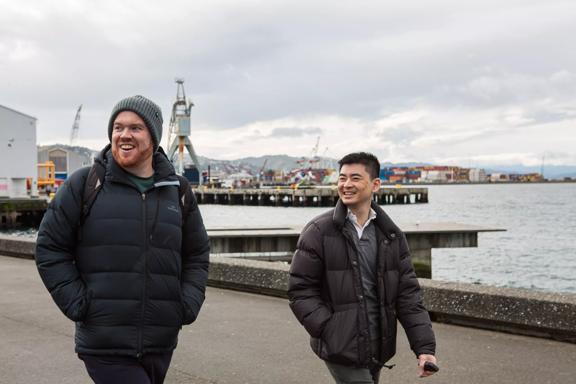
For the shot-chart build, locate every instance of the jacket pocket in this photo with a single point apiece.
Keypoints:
(339, 340)
(84, 309)
(188, 317)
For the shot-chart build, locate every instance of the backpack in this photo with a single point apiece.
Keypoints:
(94, 182)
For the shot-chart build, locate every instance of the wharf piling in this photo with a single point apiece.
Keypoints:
(304, 197)
(21, 212)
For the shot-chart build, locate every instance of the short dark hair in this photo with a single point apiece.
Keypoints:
(369, 161)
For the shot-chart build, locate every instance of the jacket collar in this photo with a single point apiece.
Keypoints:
(382, 221)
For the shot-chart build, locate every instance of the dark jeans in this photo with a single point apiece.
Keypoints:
(150, 369)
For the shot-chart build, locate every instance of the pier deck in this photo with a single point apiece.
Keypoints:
(245, 338)
(25, 212)
(422, 238)
(303, 197)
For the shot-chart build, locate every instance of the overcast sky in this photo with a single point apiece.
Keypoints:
(474, 82)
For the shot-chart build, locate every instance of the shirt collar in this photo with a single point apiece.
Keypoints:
(352, 217)
(354, 220)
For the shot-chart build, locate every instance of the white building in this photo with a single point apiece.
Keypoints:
(436, 176)
(499, 177)
(477, 175)
(17, 152)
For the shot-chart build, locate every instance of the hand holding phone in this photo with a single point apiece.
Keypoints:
(430, 367)
(427, 365)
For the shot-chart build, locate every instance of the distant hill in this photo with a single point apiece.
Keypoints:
(287, 163)
(79, 150)
(254, 164)
(550, 171)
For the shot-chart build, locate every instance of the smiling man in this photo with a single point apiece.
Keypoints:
(129, 267)
(351, 279)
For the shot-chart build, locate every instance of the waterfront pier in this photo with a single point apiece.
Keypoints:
(280, 243)
(302, 197)
(21, 212)
(28, 212)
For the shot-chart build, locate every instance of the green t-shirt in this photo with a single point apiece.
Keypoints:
(142, 183)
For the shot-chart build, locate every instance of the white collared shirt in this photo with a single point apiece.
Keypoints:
(354, 220)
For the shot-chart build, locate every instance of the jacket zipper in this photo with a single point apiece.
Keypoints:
(368, 336)
(140, 328)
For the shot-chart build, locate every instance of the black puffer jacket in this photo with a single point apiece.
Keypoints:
(130, 276)
(325, 292)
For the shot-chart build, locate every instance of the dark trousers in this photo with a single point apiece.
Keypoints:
(351, 375)
(149, 369)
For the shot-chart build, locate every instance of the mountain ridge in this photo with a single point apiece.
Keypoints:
(285, 162)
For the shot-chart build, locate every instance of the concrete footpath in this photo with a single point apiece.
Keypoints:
(246, 338)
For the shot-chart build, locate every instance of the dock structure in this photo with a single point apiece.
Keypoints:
(302, 197)
(278, 244)
(21, 212)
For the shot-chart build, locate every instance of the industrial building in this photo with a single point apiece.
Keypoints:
(17, 153)
(66, 159)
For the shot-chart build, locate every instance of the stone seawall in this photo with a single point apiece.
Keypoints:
(17, 247)
(520, 311)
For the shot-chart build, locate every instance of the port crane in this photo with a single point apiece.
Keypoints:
(75, 127)
(261, 172)
(179, 130)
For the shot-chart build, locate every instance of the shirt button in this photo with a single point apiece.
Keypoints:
(393, 235)
(354, 262)
(360, 297)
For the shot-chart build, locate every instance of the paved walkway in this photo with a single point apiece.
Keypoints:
(245, 338)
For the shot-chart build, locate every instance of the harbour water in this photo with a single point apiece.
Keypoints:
(538, 250)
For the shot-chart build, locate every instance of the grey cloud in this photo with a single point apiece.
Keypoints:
(401, 135)
(550, 116)
(243, 65)
(295, 132)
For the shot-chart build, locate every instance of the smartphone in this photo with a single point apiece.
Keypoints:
(430, 367)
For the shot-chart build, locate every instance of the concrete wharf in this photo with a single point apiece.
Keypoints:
(28, 212)
(280, 243)
(242, 338)
(303, 197)
(24, 212)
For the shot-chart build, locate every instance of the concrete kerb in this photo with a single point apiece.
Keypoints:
(519, 311)
(17, 247)
(513, 310)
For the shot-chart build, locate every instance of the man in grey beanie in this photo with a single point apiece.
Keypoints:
(123, 255)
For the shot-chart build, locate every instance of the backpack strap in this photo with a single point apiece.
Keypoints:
(186, 197)
(92, 186)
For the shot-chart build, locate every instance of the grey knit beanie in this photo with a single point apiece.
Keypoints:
(146, 109)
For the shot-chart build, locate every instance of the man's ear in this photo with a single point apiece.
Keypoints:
(376, 183)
